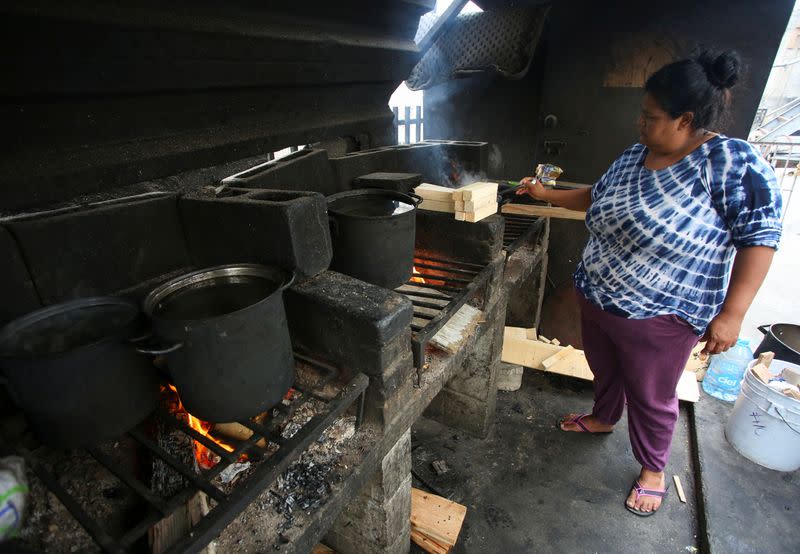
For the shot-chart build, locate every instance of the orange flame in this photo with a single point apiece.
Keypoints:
(416, 279)
(205, 457)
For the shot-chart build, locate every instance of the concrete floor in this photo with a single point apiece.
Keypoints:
(530, 487)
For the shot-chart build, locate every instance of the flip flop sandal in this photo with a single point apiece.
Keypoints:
(578, 420)
(641, 491)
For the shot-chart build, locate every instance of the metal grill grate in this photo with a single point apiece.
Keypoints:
(518, 229)
(236, 497)
(437, 291)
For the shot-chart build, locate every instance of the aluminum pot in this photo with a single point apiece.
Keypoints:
(71, 368)
(783, 339)
(226, 340)
(373, 233)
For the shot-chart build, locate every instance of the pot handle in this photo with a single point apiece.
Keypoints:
(153, 351)
(416, 198)
(159, 351)
(764, 329)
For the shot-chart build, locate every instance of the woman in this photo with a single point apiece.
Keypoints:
(664, 223)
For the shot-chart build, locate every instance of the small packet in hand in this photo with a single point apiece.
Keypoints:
(548, 173)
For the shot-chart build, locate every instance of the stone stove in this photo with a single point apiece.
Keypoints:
(360, 329)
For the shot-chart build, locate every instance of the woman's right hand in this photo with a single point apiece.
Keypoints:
(533, 188)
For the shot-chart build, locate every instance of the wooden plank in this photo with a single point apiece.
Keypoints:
(475, 205)
(426, 543)
(475, 191)
(521, 351)
(434, 192)
(557, 357)
(483, 213)
(437, 517)
(543, 211)
(436, 206)
(450, 337)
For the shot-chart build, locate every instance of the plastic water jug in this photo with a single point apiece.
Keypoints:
(723, 379)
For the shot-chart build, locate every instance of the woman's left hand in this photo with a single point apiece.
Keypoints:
(721, 334)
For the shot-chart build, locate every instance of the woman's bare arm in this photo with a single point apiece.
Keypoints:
(750, 267)
(577, 199)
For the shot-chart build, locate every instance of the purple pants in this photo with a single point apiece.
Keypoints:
(641, 361)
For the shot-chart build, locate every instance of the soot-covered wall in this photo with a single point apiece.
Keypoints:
(588, 71)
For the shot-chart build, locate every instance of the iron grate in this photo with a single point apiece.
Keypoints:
(438, 289)
(518, 229)
(229, 502)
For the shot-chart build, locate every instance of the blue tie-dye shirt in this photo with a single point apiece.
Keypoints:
(662, 242)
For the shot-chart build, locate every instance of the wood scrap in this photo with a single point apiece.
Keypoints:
(164, 534)
(530, 334)
(322, 549)
(792, 392)
(679, 488)
(761, 371)
(543, 211)
(436, 517)
(440, 467)
(426, 543)
(236, 431)
(450, 337)
(555, 341)
(766, 358)
(520, 350)
(557, 357)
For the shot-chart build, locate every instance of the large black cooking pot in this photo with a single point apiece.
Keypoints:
(226, 339)
(783, 339)
(71, 369)
(373, 232)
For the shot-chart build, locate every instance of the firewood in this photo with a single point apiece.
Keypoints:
(761, 371)
(178, 524)
(766, 358)
(236, 431)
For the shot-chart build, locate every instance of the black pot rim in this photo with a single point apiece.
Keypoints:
(164, 290)
(124, 332)
(774, 337)
(393, 194)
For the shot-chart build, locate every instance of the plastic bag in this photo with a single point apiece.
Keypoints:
(13, 493)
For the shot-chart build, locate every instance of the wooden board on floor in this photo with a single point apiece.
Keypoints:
(519, 350)
(426, 543)
(543, 211)
(436, 517)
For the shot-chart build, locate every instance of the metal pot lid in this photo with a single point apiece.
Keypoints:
(370, 203)
(68, 326)
(215, 292)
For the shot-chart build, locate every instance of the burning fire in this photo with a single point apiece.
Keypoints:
(205, 458)
(416, 279)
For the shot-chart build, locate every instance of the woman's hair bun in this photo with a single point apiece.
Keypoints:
(722, 68)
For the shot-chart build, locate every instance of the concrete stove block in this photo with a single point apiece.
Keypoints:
(400, 182)
(307, 170)
(353, 324)
(287, 229)
(425, 159)
(350, 166)
(439, 235)
(103, 248)
(18, 291)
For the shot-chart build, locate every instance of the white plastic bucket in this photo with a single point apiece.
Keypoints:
(765, 424)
